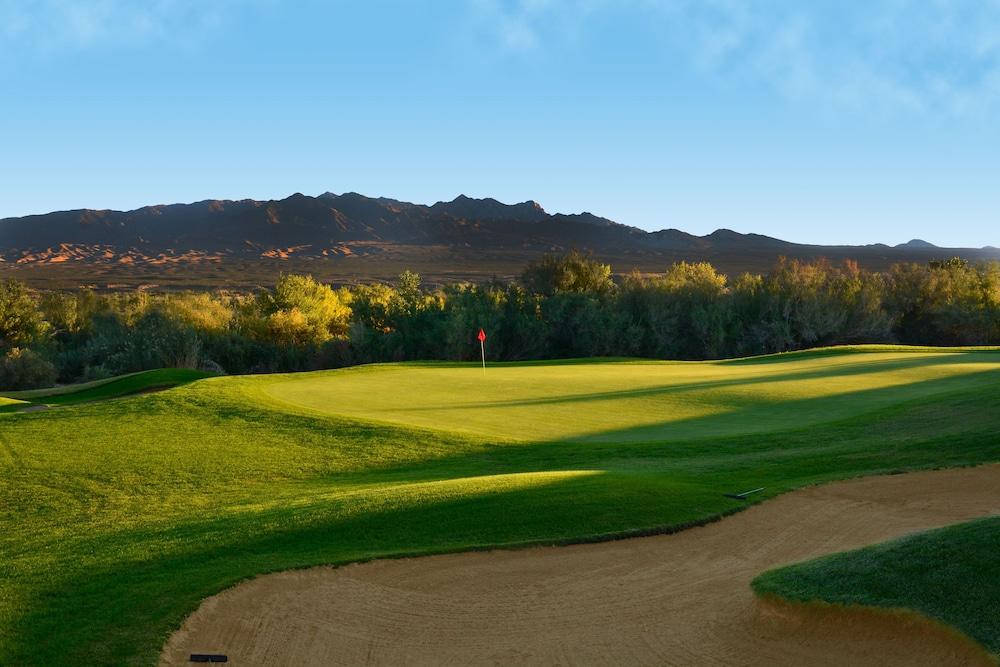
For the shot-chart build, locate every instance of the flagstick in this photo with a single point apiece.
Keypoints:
(482, 348)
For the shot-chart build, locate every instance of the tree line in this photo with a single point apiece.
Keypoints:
(561, 306)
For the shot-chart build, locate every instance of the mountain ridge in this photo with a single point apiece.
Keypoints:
(332, 230)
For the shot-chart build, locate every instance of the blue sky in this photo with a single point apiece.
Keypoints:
(825, 122)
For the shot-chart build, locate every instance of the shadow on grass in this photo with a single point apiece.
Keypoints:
(827, 371)
(120, 613)
(947, 408)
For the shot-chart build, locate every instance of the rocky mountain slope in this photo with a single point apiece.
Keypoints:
(324, 231)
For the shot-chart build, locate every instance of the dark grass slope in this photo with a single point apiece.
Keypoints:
(102, 390)
(951, 574)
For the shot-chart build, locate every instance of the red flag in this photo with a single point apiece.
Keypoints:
(481, 336)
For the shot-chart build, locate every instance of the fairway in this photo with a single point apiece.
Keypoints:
(500, 333)
(118, 517)
(682, 599)
(633, 400)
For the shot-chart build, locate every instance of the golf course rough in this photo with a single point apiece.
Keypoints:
(951, 574)
(118, 517)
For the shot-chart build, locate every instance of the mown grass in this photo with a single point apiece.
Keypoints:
(639, 401)
(28, 394)
(951, 574)
(9, 402)
(101, 390)
(117, 518)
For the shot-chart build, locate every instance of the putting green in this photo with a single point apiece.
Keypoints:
(635, 401)
(117, 517)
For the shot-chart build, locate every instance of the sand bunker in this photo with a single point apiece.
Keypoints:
(682, 599)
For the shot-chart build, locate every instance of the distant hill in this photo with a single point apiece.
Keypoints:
(351, 237)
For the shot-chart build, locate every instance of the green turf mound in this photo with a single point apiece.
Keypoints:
(118, 517)
(10, 403)
(951, 575)
(101, 390)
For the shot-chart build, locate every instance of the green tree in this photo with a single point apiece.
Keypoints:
(202, 311)
(572, 272)
(681, 314)
(510, 316)
(24, 369)
(300, 311)
(21, 321)
(945, 303)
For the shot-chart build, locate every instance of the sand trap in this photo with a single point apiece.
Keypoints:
(682, 599)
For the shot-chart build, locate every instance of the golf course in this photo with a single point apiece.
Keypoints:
(918, 572)
(126, 507)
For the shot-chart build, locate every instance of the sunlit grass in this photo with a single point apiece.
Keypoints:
(4, 401)
(631, 400)
(118, 517)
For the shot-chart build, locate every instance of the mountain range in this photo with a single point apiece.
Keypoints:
(351, 237)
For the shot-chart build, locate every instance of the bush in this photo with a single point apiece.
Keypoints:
(563, 306)
(301, 312)
(24, 369)
(572, 272)
(159, 341)
(21, 321)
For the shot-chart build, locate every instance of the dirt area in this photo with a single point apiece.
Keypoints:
(681, 599)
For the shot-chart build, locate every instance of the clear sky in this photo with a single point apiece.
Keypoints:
(826, 122)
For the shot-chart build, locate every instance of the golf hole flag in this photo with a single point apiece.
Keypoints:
(482, 346)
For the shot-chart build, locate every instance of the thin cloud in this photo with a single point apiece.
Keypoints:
(528, 26)
(59, 25)
(925, 56)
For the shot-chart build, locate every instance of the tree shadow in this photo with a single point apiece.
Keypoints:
(883, 414)
(827, 371)
(120, 613)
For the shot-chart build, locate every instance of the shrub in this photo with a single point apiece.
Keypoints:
(572, 272)
(21, 321)
(300, 311)
(23, 369)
